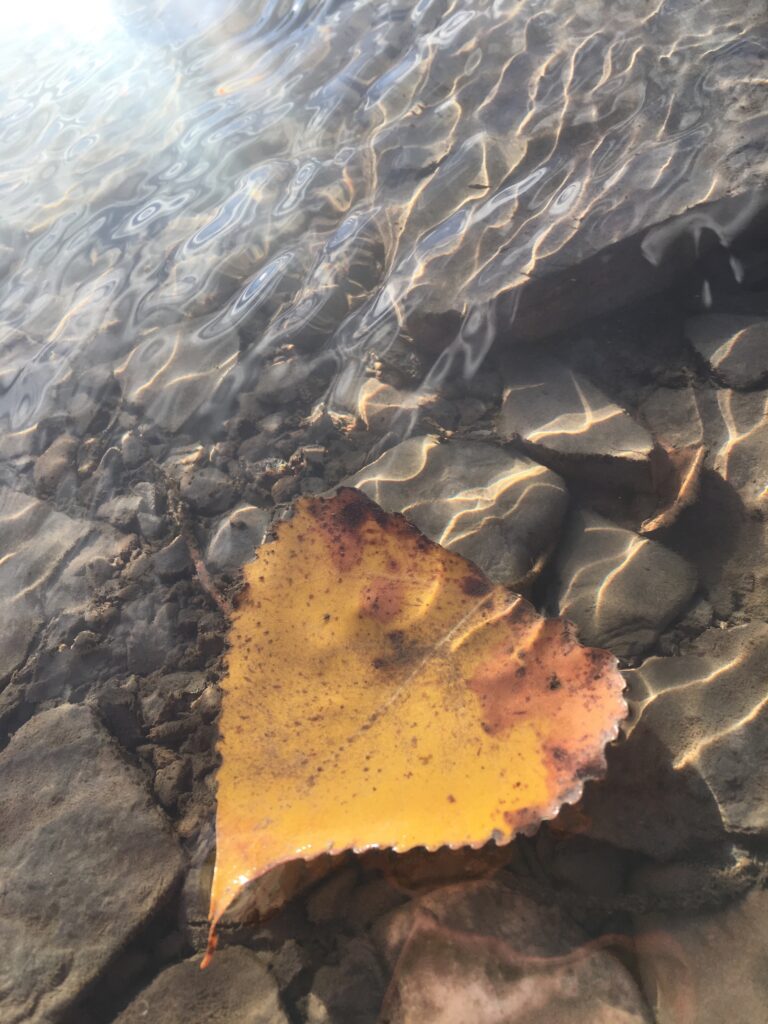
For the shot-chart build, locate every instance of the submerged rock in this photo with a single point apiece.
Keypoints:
(620, 589)
(235, 989)
(706, 968)
(501, 511)
(560, 413)
(734, 346)
(86, 861)
(485, 953)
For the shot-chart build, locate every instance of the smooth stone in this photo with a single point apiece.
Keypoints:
(55, 463)
(706, 968)
(620, 589)
(735, 347)
(483, 952)
(708, 709)
(86, 860)
(553, 409)
(501, 511)
(235, 987)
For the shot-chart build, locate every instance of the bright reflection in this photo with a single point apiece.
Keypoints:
(79, 19)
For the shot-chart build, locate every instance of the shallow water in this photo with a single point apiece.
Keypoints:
(248, 247)
(183, 196)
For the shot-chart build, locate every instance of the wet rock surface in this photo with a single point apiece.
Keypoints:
(501, 511)
(484, 952)
(87, 860)
(560, 413)
(620, 589)
(236, 987)
(734, 347)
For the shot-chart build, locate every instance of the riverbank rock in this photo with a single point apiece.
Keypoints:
(235, 989)
(620, 589)
(485, 953)
(501, 511)
(735, 347)
(86, 860)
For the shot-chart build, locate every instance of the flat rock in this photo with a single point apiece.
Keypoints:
(44, 556)
(482, 952)
(671, 415)
(734, 346)
(236, 988)
(554, 410)
(708, 709)
(620, 589)
(86, 860)
(736, 433)
(501, 511)
(235, 538)
(706, 968)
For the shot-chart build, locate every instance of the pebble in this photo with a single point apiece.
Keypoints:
(86, 861)
(235, 537)
(620, 589)
(501, 511)
(56, 462)
(207, 489)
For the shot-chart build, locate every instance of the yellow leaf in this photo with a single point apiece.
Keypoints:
(381, 692)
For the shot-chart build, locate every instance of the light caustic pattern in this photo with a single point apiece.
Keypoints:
(206, 186)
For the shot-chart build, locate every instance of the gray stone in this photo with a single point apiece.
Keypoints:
(120, 511)
(236, 988)
(706, 968)
(708, 710)
(672, 417)
(207, 489)
(55, 463)
(44, 558)
(351, 990)
(86, 860)
(236, 537)
(620, 589)
(482, 952)
(734, 346)
(553, 409)
(736, 433)
(173, 561)
(501, 511)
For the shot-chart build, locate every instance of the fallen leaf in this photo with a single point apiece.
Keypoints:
(381, 692)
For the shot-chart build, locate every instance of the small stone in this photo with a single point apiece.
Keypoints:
(86, 861)
(734, 346)
(501, 511)
(133, 449)
(235, 537)
(620, 589)
(555, 410)
(150, 526)
(207, 489)
(236, 988)
(172, 780)
(284, 489)
(120, 511)
(483, 952)
(57, 461)
(173, 561)
(313, 485)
